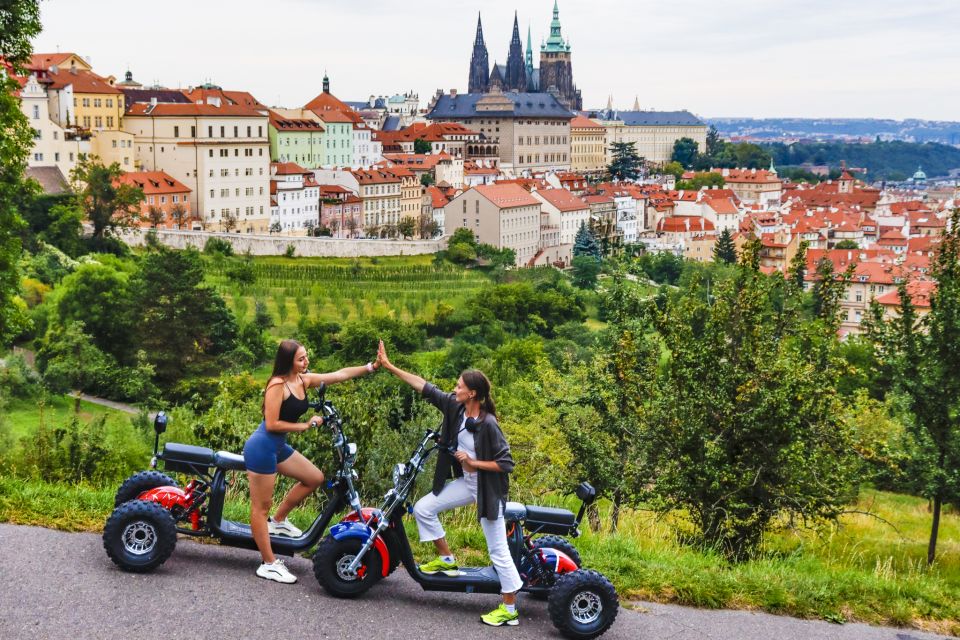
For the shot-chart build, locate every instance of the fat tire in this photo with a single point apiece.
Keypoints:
(152, 515)
(139, 482)
(566, 589)
(560, 544)
(329, 552)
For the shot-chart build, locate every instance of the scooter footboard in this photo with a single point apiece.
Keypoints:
(362, 532)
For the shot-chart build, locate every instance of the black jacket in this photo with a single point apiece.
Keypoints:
(492, 487)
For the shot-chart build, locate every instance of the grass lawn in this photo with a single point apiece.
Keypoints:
(21, 416)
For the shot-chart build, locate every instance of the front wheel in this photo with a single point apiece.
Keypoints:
(583, 604)
(139, 536)
(331, 564)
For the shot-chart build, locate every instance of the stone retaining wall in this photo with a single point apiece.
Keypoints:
(275, 245)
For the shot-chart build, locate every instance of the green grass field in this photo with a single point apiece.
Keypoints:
(22, 416)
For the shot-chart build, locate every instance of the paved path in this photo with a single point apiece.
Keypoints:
(62, 586)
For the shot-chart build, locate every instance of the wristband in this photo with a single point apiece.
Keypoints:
(369, 367)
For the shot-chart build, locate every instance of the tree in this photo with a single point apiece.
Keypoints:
(626, 163)
(97, 296)
(421, 146)
(585, 244)
(275, 227)
(429, 227)
(427, 179)
(673, 168)
(108, 204)
(585, 271)
(155, 216)
(750, 431)
(407, 226)
(846, 244)
(724, 250)
(178, 213)
(21, 23)
(181, 323)
(685, 152)
(714, 143)
(229, 221)
(926, 355)
(700, 180)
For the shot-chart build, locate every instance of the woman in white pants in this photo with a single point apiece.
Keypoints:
(479, 471)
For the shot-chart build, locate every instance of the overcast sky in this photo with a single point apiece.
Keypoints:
(759, 58)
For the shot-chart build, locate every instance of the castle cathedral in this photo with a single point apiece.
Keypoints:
(519, 75)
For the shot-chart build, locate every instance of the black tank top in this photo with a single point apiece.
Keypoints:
(292, 408)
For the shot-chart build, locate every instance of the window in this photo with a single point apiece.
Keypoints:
(109, 121)
(224, 173)
(97, 102)
(38, 157)
(222, 132)
(248, 171)
(209, 132)
(86, 122)
(260, 135)
(36, 112)
(56, 157)
(193, 131)
(163, 199)
(176, 132)
(224, 153)
(149, 199)
(86, 102)
(175, 198)
(110, 102)
(224, 193)
(249, 132)
(211, 173)
(56, 135)
(114, 144)
(211, 155)
(211, 193)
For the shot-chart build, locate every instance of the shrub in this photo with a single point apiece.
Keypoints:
(218, 246)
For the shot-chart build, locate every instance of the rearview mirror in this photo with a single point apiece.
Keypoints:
(160, 423)
(586, 492)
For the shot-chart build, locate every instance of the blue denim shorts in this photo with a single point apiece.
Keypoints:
(264, 450)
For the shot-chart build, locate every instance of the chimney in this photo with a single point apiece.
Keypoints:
(153, 101)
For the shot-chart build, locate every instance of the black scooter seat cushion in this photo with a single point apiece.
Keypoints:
(549, 520)
(174, 451)
(229, 461)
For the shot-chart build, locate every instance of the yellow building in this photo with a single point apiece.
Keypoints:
(588, 146)
(652, 132)
(78, 96)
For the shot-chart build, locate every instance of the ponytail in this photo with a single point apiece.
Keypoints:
(478, 383)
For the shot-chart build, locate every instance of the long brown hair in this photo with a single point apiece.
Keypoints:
(282, 366)
(476, 381)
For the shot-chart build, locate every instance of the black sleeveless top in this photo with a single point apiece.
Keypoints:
(292, 408)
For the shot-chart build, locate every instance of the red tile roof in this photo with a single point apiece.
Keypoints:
(288, 169)
(563, 199)
(83, 81)
(919, 291)
(582, 122)
(437, 199)
(153, 182)
(507, 196)
(684, 224)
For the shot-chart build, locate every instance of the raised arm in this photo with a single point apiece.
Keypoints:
(411, 379)
(341, 375)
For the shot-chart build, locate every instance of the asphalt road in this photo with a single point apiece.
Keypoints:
(62, 585)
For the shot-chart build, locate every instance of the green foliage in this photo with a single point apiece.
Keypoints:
(461, 252)
(291, 250)
(49, 264)
(724, 250)
(407, 226)
(427, 179)
(107, 204)
(847, 244)
(663, 268)
(673, 168)
(585, 270)
(747, 429)
(585, 244)
(218, 246)
(685, 151)
(421, 146)
(241, 271)
(97, 296)
(17, 378)
(55, 220)
(625, 163)
(21, 22)
(883, 160)
(709, 180)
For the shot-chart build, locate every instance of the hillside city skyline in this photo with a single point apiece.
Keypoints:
(794, 66)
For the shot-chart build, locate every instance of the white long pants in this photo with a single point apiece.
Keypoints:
(461, 492)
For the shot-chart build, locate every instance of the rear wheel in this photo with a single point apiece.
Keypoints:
(139, 536)
(583, 604)
(331, 566)
(139, 482)
(560, 544)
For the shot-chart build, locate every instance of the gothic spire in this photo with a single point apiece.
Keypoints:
(479, 79)
(516, 73)
(479, 39)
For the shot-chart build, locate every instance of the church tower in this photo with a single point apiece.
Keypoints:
(528, 64)
(515, 78)
(556, 69)
(479, 81)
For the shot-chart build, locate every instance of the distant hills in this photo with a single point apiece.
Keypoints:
(895, 160)
(946, 132)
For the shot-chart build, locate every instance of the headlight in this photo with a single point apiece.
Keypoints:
(398, 472)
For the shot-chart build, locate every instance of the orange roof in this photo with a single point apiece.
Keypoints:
(723, 206)
(417, 160)
(327, 102)
(684, 224)
(748, 176)
(507, 196)
(563, 199)
(166, 109)
(153, 182)
(437, 199)
(919, 291)
(893, 234)
(333, 116)
(288, 169)
(375, 176)
(83, 81)
(598, 199)
(281, 123)
(47, 60)
(582, 122)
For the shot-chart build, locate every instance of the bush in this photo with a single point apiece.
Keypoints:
(291, 250)
(18, 379)
(218, 246)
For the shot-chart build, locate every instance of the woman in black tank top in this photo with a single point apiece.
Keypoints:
(267, 453)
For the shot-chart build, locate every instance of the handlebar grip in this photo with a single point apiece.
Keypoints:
(314, 424)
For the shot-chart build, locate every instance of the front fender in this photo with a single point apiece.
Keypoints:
(355, 529)
(558, 561)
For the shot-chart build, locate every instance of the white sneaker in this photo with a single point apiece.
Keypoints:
(276, 571)
(283, 528)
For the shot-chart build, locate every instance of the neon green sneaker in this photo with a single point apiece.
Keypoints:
(500, 616)
(439, 566)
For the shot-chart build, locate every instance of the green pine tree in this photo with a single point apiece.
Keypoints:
(724, 250)
(626, 162)
(585, 244)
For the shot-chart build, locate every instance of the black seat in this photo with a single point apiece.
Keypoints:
(229, 461)
(188, 453)
(549, 520)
